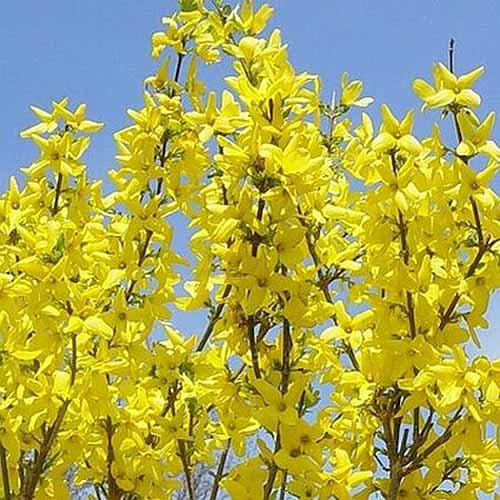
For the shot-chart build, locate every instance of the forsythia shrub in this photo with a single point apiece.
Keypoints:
(344, 272)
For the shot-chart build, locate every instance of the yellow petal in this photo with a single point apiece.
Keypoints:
(75, 323)
(383, 142)
(490, 149)
(26, 355)
(389, 120)
(484, 130)
(441, 98)
(492, 392)
(98, 326)
(270, 394)
(465, 148)
(424, 273)
(446, 76)
(423, 89)
(468, 98)
(401, 201)
(468, 79)
(62, 382)
(113, 277)
(341, 213)
(410, 144)
(363, 102)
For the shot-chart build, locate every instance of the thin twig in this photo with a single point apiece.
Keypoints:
(114, 491)
(213, 320)
(149, 233)
(169, 404)
(451, 51)
(186, 467)
(220, 471)
(483, 244)
(74, 356)
(35, 471)
(55, 207)
(5, 473)
(285, 378)
(253, 346)
(439, 441)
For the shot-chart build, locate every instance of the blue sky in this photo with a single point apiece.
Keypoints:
(98, 52)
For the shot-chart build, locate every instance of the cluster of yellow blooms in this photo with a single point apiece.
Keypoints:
(334, 363)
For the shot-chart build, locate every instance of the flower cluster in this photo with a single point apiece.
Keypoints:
(335, 359)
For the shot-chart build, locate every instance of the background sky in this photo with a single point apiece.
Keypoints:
(98, 52)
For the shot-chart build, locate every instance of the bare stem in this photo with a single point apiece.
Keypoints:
(114, 491)
(186, 467)
(213, 320)
(34, 472)
(5, 473)
(451, 54)
(253, 347)
(285, 379)
(169, 405)
(74, 356)
(395, 475)
(483, 244)
(283, 486)
(220, 471)
(55, 207)
(326, 292)
(149, 234)
(439, 441)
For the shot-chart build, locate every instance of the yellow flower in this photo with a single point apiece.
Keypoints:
(279, 407)
(351, 92)
(449, 89)
(396, 135)
(476, 136)
(253, 22)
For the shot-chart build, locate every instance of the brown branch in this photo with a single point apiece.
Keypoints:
(439, 441)
(5, 473)
(114, 491)
(403, 231)
(451, 53)
(287, 350)
(186, 467)
(412, 322)
(55, 207)
(251, 320)
(74, 356)
(326, 292)
(213, 320)
(395, 475)
(260, 212)
(142, 258)
(35, 470)
(419, 439)
(220, 471)
(169, 404)
(285, 379)
(263, 330)
(483, 245)
(178, 67)
(477, 220)
(149, 233)
(454, 301)
(273, 469)
(97, 492)
(253, 346)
